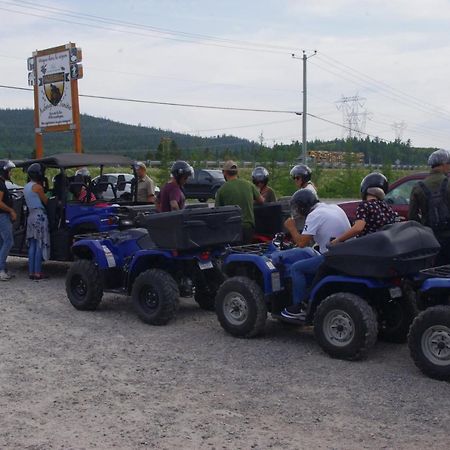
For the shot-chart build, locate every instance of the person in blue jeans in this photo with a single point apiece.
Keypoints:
(7, 217)
(38, 237)
(322, 224)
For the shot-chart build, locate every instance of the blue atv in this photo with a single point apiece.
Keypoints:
(175, 255)
(363, 290)
(429, 336)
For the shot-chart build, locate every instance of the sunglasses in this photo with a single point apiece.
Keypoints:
(297, 178)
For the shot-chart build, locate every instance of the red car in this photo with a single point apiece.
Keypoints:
(397, 197)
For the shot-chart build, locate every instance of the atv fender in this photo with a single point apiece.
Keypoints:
(95, 250)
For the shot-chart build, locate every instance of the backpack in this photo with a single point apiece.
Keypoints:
(438, 218)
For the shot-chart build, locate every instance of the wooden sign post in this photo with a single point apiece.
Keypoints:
(54, 73)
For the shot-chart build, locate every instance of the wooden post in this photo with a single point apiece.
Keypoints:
(38, 139)
(76, 117)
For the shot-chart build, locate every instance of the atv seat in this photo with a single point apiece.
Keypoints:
(140, 235)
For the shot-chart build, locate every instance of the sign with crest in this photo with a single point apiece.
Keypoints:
(54, 74)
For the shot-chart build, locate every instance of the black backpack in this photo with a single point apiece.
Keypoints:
(438, 209)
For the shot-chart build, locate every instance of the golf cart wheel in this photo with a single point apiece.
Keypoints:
(429, 342)
(395, 318)
(345, 326)
(84, 285)
(205, 293)
(241, 308)
(155, 297)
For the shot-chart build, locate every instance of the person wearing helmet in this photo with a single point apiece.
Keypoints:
(430, 202)
(37, 234)
(301, 174)
(241, 193)
(7, 216)
(82, 195)
(323, 223)
(171, 197)
(145, 185)
(260, 178)
(373, 213)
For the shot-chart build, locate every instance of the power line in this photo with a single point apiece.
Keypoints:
(184, 105)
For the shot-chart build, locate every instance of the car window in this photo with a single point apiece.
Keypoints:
(112, 179)
(400, 195)
(204, 177)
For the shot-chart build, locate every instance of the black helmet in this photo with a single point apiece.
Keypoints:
(35, 172)
(260, 175)
(301, 170)
(374, 180)
(302, 201)
(180, 169)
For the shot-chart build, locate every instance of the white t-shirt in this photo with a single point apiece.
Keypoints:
(325, 222)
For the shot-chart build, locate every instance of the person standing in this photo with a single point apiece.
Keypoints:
(241, 193)
(145, 185)
(7, 217)
(260, 178)
(430, 202)
(171, 197)
(38, 237)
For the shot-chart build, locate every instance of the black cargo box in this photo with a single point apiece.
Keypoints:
(270, 217)
(191, 229)
(399, 249)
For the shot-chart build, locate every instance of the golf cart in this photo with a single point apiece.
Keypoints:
(361, 292)
(172, 254)
(68, 216)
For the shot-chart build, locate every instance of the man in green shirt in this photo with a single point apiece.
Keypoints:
(241, 193)
(433, 196)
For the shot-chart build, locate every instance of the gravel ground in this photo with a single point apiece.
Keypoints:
(73, 380)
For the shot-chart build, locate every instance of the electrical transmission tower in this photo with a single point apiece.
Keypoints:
(354, 116)
(399, 128)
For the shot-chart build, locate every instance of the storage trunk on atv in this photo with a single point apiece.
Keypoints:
(399, 249)
(191, 229)
(270, 217)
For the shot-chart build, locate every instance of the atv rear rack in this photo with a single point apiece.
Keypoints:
(437, 272)
(254, 249)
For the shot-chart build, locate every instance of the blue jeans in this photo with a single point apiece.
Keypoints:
(6, 238)
(299, 270)
(34, 256)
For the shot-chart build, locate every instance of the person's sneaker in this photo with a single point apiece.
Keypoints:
(4, 276)
(293, 312)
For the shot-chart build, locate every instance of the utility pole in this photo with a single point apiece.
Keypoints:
(304, 58)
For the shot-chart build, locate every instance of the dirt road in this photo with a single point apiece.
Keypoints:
(74, 380)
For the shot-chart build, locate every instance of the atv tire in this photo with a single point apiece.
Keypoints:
(84, 285)
(241, 308)
(205, 293)
(395, 318)
(345, 326)
(155, 297)
(429, 342)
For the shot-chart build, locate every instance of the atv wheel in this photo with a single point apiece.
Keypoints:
(395, 318)
(345, 326)
(84, 285)
(205, 293)
(241, 308)
(429, 342)
(155, 297)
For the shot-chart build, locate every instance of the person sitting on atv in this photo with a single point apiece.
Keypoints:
(323, 223)
(373, 213)
(82, 195)
(301, 174)
(171, 197)
(260, 178)
(241, 193)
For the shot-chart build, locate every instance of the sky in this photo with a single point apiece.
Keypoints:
(391, 54)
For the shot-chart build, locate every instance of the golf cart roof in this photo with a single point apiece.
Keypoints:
(68, 160)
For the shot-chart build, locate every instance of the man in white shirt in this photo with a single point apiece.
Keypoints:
(322, 224)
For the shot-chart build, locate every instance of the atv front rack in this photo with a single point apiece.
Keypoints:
(254, 249)
(437, 272)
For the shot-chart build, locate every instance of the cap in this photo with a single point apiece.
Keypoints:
(229, 165)
(138, 164)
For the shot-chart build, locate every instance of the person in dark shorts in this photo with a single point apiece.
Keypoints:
(260, 178)
(7, 217)
(373, 213)
(430, 202)
(241, 193)
(171, 197)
